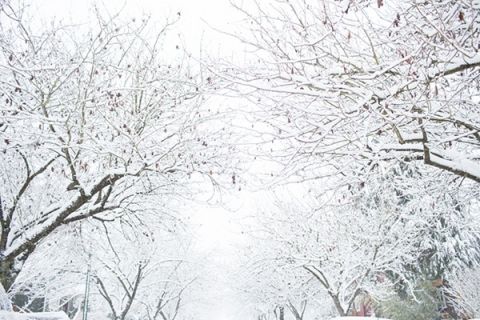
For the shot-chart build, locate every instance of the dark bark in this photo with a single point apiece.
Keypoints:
(281, 313)
(338, 305)
(298, 314)
(317, 274)
(8, 274)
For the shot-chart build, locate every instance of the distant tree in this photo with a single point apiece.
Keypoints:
(146, 270)
(362, 240)
(143, 278)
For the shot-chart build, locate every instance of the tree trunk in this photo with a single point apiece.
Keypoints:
(5, 303)
(295, 312)
(281, 313)
(338, 305)
(8, 274)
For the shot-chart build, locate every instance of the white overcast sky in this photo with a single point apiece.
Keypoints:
(196, 15)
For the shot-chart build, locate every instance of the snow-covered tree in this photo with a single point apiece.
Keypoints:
(363, 80)
(144, 271)
(267, 289)
(144, 279)
(92, 120)
(363, 94)
(365, 240)
(464, 291)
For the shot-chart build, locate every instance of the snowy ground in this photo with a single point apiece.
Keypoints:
(33, 316)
